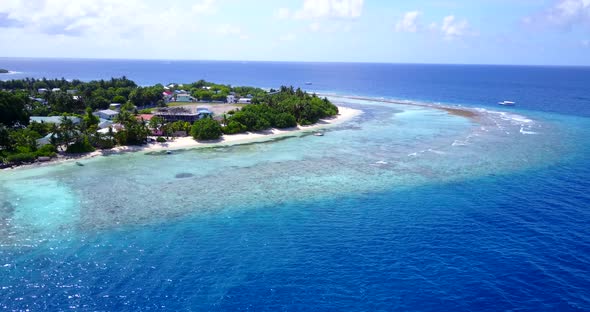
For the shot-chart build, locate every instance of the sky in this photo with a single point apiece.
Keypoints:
(527, 32)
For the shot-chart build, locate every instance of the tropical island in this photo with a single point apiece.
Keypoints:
(4, 71)
(41, 119)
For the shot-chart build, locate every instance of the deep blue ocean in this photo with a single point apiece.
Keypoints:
(517, 240)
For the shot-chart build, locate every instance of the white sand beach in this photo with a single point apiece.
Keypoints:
(345, 114)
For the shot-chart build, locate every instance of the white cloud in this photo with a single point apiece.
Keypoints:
(231, 30)
(283, 13)
(315, 9)
(565, 14)
(205, 7)
(288, 37)
(452, 28)
(315, 26)
(409, 23)
(104, 18)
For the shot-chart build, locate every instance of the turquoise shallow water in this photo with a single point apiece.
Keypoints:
(404, 207)
(388, 147)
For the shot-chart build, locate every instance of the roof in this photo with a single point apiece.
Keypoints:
(146, 117)
(52, 119)
(108, 112)
(103, 123)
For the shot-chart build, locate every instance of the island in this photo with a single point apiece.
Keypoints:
(43, 120)
(4, 71)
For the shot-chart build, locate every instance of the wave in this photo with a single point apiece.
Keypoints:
(523, 131)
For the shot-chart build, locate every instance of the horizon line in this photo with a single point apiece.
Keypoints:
(287, 61)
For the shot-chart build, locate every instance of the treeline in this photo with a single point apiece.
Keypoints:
(77, 129)
(208, 91)
(283, 109)
(97, 94)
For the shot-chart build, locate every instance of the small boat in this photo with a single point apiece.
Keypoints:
(79, 164)
(307, 83)
(168, 152)
(507, 103)
(318, 134)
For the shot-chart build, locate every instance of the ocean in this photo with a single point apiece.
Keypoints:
(405, 207)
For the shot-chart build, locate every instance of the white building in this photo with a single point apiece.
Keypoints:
(231, 99)
(107, 114)
(184, 98)
(55, 90)
(245, 100)
(115, 106)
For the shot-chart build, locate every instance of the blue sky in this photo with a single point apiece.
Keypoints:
(551, 32)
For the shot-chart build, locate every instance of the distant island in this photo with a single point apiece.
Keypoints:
(4, 71)
(41, 118)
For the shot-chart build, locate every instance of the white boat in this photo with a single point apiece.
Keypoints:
(308, 83)
(507, 103)
(318, 134)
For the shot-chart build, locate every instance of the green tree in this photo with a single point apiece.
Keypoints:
(119, 99)
(234, 127)
(89, 118)
(156, 122)
(13, 109)
(206, 129)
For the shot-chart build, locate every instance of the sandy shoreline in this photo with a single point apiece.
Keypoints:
(344, 114)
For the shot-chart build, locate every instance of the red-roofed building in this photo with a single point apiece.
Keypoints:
(145, 117)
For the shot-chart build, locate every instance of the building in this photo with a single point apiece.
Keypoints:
(245, 100)
(53, 119)
(55, 90)
(41, 90)
(184, 98)
(104, 123)
(231, 99)
(173, 114)
(115, 106)
(44, 140)
(168, 96)
(204, 113)
(144, 117)
(73, 91)
(107, 114)
(38, 100)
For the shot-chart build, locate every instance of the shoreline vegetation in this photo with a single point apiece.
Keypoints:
(41, 120)
(185, 143)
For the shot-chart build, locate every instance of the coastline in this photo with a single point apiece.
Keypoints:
(344, 114)
(453, 110)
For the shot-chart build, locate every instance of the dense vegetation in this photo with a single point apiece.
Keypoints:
(77, 130)
(283, 109)
(208, 91)
(206, 129)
